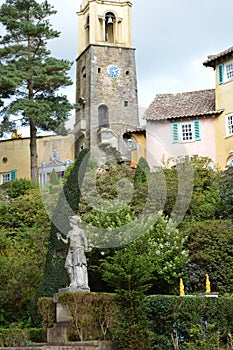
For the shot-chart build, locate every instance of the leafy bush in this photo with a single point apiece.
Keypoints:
(46, 308)
(24, 229)
(22, 258)
(37, 335)
(25, 211)
(226, 193)
(210, 252)
(18, 187)
(15, 337)
(93, 315)
(197, 322)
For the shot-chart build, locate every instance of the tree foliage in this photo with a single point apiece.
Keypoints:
(226, 193)
(135, 269)
(23, 244)
(210, 252)
(18, 187)
(157, 255)
(190, 323)
(203, 189)
(32, 78)
(138, 253)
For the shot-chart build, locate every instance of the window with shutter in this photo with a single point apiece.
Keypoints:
(5, 178)
(220, 73)
(228, 70)
(12, 174)
(175, 132)
(197, 130)
(229, 124)
(185, 132)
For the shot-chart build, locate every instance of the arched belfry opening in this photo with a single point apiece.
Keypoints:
(110, 27)
(103, 118)
(87, 28)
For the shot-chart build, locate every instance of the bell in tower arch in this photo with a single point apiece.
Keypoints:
(110, 27)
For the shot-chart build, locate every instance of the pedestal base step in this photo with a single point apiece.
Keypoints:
(85, 345)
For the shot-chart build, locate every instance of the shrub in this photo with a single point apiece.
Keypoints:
(21, 337)
(18, 187)
(93, 314)
(13, 337)
(37, 335)
(46, 308)
(210, 252)
(197, 322)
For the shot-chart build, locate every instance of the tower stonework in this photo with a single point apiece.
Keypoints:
(106, 81)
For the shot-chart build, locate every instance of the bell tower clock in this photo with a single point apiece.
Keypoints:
(106, 81)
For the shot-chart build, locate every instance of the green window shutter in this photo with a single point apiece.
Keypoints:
(175, 133)
(12, 174)
(220, 73)
(197, 130)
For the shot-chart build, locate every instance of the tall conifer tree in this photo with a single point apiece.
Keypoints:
(55, 275)
(31, 77)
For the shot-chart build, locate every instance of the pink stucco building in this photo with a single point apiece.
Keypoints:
(181, 125)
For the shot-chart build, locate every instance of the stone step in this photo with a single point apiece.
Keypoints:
(85, 345)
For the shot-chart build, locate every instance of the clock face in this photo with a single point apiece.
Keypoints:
(113, 71)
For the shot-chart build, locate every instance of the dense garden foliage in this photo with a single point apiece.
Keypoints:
(148, 254)
(170, 322)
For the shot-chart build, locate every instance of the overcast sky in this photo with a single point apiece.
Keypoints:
(172, 39)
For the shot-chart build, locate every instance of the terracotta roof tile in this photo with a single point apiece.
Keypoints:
(186, 104)
(213, 59)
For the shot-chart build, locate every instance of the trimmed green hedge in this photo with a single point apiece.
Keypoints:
(21, 337)
(201, 322)
(187, 323)
(94, 315)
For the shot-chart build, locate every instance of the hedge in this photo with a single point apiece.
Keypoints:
(93, 315)
(11, 337)
(187, 323)
(201, 321)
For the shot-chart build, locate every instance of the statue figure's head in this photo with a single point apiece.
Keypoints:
(75, 219)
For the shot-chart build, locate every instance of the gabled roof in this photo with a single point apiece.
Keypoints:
(213, 59)
(181, 105)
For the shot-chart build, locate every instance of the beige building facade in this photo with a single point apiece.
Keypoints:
(222, 63)
(15, 155)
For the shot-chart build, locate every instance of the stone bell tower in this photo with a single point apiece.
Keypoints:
(106, 82)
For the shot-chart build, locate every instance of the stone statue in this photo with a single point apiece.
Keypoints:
(76, 263)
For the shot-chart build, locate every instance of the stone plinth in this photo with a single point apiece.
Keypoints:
(61, 314)
(57, 334)
(85, 345)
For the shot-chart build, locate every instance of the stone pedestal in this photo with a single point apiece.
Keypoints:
(61, 314)
(72, 289)
(57, 334)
